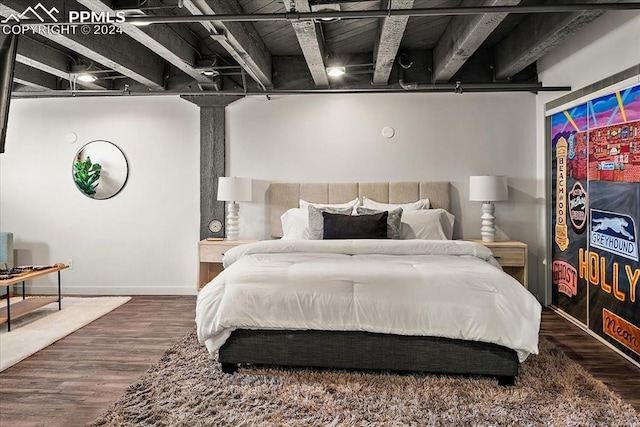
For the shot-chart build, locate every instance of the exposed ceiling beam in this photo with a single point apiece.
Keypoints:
(240, 39)
(34, 78)
(161, 40)
(117, 52)
(463, 37)
(311, 42)
(390, 35)
(537, 35)
(45, 58)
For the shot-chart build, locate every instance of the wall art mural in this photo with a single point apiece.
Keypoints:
(596, 214)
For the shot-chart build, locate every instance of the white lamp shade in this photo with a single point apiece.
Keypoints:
(488, 188)
(232, 189)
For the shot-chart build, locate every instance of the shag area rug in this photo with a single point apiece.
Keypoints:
(41, 328)
(187, 388)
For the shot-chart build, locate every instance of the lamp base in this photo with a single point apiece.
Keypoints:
(233, 221)
(488, 230)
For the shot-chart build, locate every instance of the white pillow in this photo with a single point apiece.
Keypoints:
(427, 224)
(352, 204)
(372, 204)
(295, 224)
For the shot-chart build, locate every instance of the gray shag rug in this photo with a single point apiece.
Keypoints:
(187, 388)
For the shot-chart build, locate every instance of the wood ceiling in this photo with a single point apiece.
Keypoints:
(272, 46)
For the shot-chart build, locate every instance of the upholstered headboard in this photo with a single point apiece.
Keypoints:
(285, 196)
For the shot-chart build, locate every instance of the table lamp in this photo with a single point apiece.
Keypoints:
(488, 189)
(233, 190)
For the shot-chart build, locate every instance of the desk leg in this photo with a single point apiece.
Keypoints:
(8, 310)
(59, 299)
(23, 293)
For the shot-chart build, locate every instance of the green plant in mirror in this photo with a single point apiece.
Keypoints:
(86, 176)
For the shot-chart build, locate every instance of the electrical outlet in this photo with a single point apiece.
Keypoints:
(70, 263)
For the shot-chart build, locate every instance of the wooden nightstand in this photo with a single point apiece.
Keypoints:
(210, 257)
(512, 256)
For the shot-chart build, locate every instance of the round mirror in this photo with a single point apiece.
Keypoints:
(100, 170)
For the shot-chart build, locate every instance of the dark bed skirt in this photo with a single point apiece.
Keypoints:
(365, 350)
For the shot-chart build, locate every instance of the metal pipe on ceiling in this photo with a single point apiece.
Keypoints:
(363, 14)
(437, 88)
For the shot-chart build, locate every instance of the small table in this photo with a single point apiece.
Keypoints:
(512, 257)
(210, 253)
(28, 305)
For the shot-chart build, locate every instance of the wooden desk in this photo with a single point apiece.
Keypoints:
(26, 306)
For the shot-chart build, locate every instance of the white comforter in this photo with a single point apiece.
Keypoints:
(450, 289)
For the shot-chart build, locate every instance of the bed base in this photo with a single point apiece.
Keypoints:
(370, 351)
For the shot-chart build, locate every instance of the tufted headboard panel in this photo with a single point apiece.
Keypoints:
(284, 196)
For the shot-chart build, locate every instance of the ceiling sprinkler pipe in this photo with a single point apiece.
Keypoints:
(403, 67)
(412, 87)
(402, 64)
(407, 86)
(367, 14)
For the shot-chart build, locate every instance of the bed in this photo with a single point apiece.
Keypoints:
(437, 306)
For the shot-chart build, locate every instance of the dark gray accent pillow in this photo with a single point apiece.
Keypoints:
(338, 226)
(394, 220)
(316, 222)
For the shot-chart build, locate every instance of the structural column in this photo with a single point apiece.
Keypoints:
(212, 158)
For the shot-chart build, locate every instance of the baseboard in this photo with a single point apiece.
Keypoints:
(593, 334)
(109, 290)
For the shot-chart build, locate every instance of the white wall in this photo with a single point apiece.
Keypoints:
(607, 46)
(142, 241)
(438, 137)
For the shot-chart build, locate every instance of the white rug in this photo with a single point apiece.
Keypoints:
(35, 331)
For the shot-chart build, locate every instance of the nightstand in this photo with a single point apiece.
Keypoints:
(512, 256)
(210, 254)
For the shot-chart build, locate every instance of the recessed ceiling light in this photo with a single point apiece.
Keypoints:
(326, 8)
(84, 72)
(335, 71)
(87, 78)
(328, 20)
(131, 16)
(207, 70)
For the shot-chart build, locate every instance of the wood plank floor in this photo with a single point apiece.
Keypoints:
(74, 380)
(71, 382)
(620, 375)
